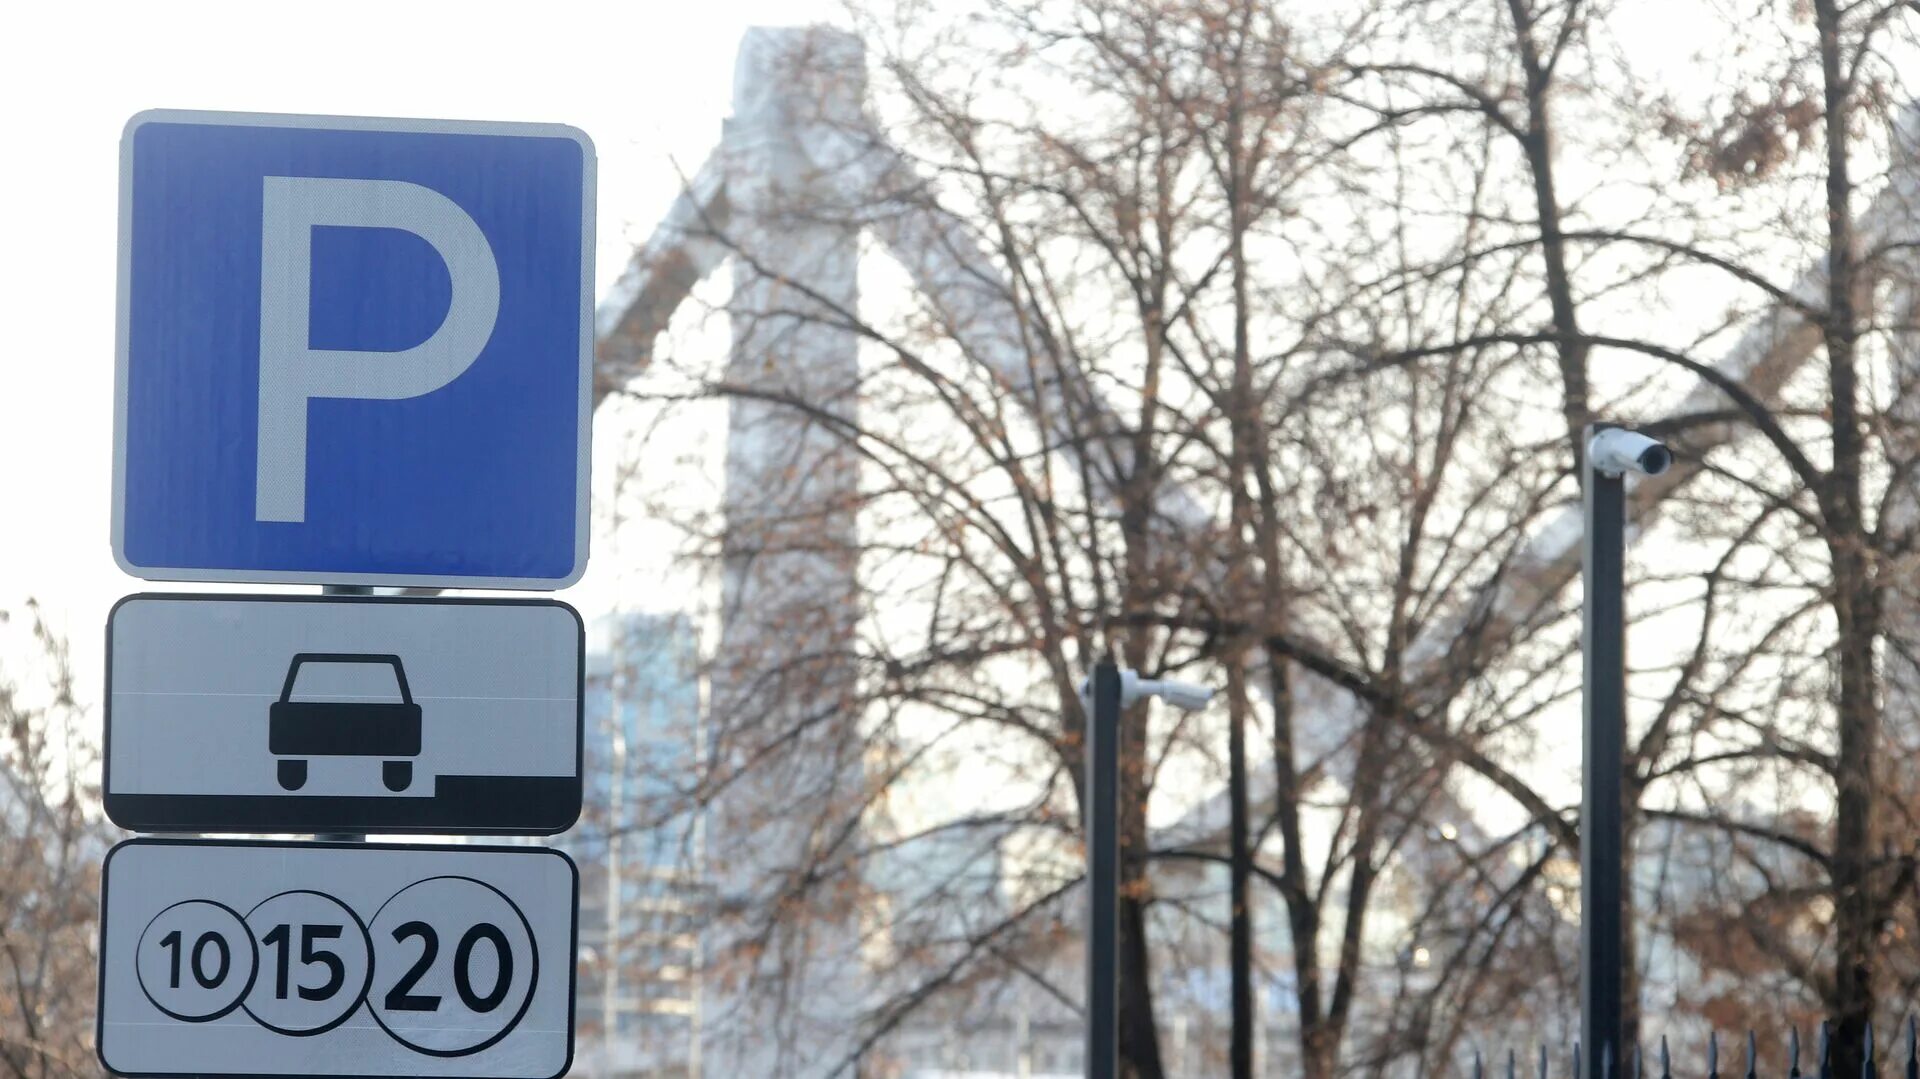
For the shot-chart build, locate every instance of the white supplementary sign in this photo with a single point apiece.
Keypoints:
(284, 714)
(283, 959)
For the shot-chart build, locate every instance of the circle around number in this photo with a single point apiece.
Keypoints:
(194, 914)
(391, 920)
(293, 949)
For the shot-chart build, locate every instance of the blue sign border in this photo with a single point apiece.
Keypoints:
(584, 425)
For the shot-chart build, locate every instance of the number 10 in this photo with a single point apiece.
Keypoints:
(171, 942)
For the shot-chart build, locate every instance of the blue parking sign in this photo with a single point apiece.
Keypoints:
(353, 351)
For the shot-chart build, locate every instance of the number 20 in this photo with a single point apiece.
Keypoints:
(401, 997)
(171, 942)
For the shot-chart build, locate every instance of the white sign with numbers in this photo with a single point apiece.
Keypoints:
(251, 958)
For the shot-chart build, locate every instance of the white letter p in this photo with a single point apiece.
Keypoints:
(292, 373)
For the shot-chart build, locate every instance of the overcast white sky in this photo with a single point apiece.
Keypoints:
(650, 82)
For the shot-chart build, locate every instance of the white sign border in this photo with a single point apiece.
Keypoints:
(123, 310)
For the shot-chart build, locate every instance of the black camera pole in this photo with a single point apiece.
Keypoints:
(1603, 739)
(1103, 873)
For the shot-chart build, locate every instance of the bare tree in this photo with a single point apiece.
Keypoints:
(1829, 470)
(1267, 362)
(49, 867)
(1044, 441)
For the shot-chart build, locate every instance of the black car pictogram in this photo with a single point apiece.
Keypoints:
(299, 729)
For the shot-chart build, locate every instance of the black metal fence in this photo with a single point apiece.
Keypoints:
(1753, 1065)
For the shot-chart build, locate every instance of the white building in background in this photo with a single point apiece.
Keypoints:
(641, 871)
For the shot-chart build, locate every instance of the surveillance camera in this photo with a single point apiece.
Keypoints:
(1617, 451)
(1182, 695)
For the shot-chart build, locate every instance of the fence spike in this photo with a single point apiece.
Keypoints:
(1913, 1058)
(1476, 1064)
(1576, 1058)
(1793, 1052)
(1541, 1068)
(1826, 1055)
(1869, 1068)
(1713, 1054)
(1511, 1073)
(1666, 1059)
(1753, 1053)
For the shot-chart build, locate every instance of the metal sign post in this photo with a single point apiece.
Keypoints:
(341, 590)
